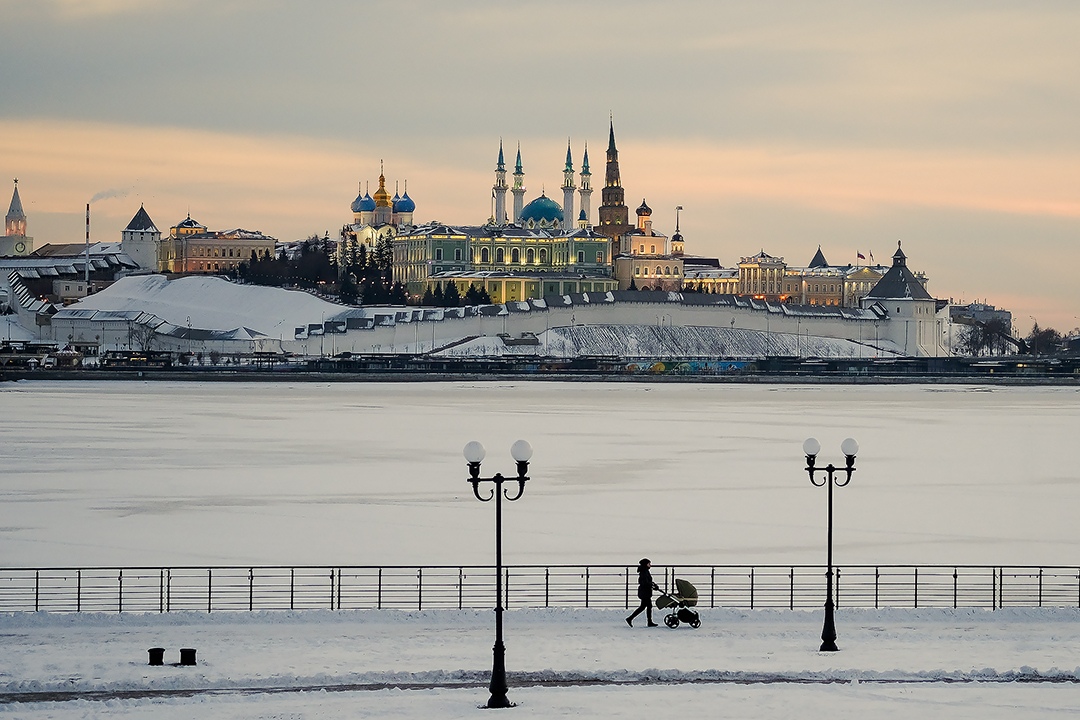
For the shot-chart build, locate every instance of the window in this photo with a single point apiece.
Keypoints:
(676, 271)
(543, 256)
(652, 249)
(599, 257)
(499, 255)
(457, 254)
(657, 270)
(484, 255)
(637, 271)
(667, 270)
(581, 256)
(530, 256)
(643, 249)
(438, 253)
(515, 256)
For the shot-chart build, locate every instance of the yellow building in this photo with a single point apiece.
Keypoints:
(191, 248)
(504, 287)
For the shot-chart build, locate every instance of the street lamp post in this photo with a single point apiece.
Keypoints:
(811, 447)
(474, 453)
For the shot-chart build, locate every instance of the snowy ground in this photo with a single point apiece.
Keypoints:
(369, 664)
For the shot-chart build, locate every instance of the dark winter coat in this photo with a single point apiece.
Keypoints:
(645, 584)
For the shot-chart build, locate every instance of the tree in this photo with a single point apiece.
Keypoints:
(438, 297)
(633, 285)
(428, 300)
(348, 291)
(1043, 340)
(452, 297)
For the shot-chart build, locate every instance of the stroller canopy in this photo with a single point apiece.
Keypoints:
(686, 592)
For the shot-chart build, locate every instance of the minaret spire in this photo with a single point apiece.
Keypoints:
(519, 187)
(586, 187)
(568, 191)
(498, 190)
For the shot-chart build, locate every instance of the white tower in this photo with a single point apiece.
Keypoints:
(141, 240)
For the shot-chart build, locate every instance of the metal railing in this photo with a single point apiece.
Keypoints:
(213, 589)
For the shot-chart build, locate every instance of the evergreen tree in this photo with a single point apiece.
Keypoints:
(482, 297)
(428, 300)
(438, 297)
(452, 297)
(633, 285)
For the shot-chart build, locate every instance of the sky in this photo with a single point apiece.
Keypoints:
(778, 126)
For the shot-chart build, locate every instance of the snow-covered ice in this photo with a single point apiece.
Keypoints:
(154, 473)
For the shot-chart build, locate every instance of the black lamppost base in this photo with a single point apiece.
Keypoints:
(828, 646)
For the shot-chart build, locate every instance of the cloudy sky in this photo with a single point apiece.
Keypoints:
(776, 125)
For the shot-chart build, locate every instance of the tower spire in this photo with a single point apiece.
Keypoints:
(614, 215)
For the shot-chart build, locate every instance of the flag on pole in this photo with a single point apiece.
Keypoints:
(871, 255)
(860, 255)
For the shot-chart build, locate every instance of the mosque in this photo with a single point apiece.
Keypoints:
(531, 249)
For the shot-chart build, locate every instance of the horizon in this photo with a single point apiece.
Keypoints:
(776, 127)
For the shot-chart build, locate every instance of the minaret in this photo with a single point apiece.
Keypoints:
(498, 190)
(568, 189)
(614, 215)
(15, 221)
(519, 187)
(586, 186)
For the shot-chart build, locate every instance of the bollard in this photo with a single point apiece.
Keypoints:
(187, 656)
(157, 656)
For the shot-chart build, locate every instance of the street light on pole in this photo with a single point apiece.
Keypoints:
(811, 447)
(474, 453)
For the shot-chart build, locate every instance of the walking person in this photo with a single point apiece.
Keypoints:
(645, 586)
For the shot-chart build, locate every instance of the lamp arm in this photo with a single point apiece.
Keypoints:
(521, 489)
(476, 491)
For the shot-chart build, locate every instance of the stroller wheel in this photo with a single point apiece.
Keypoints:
(672, 621)
(695, 623)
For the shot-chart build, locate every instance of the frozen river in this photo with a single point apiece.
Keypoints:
(151, 473)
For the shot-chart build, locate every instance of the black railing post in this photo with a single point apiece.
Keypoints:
(586, 586)
(460, 587)
(954, 592)
(292, 588)
(419, 588)
(378, 601)
(791, 588)
(712, 586)
(916, 586)
(751, 588)
(168, 590)
(251, 589)
(877, 584)
(547, 587)
(209, 589)
(120, 591)
(37, 590)
(1040, 586)
(78, 591)
(161, 591)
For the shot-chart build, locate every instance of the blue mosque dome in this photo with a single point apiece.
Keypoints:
(405, 204)
(542, 210)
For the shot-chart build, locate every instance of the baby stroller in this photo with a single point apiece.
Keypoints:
(680, 602)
